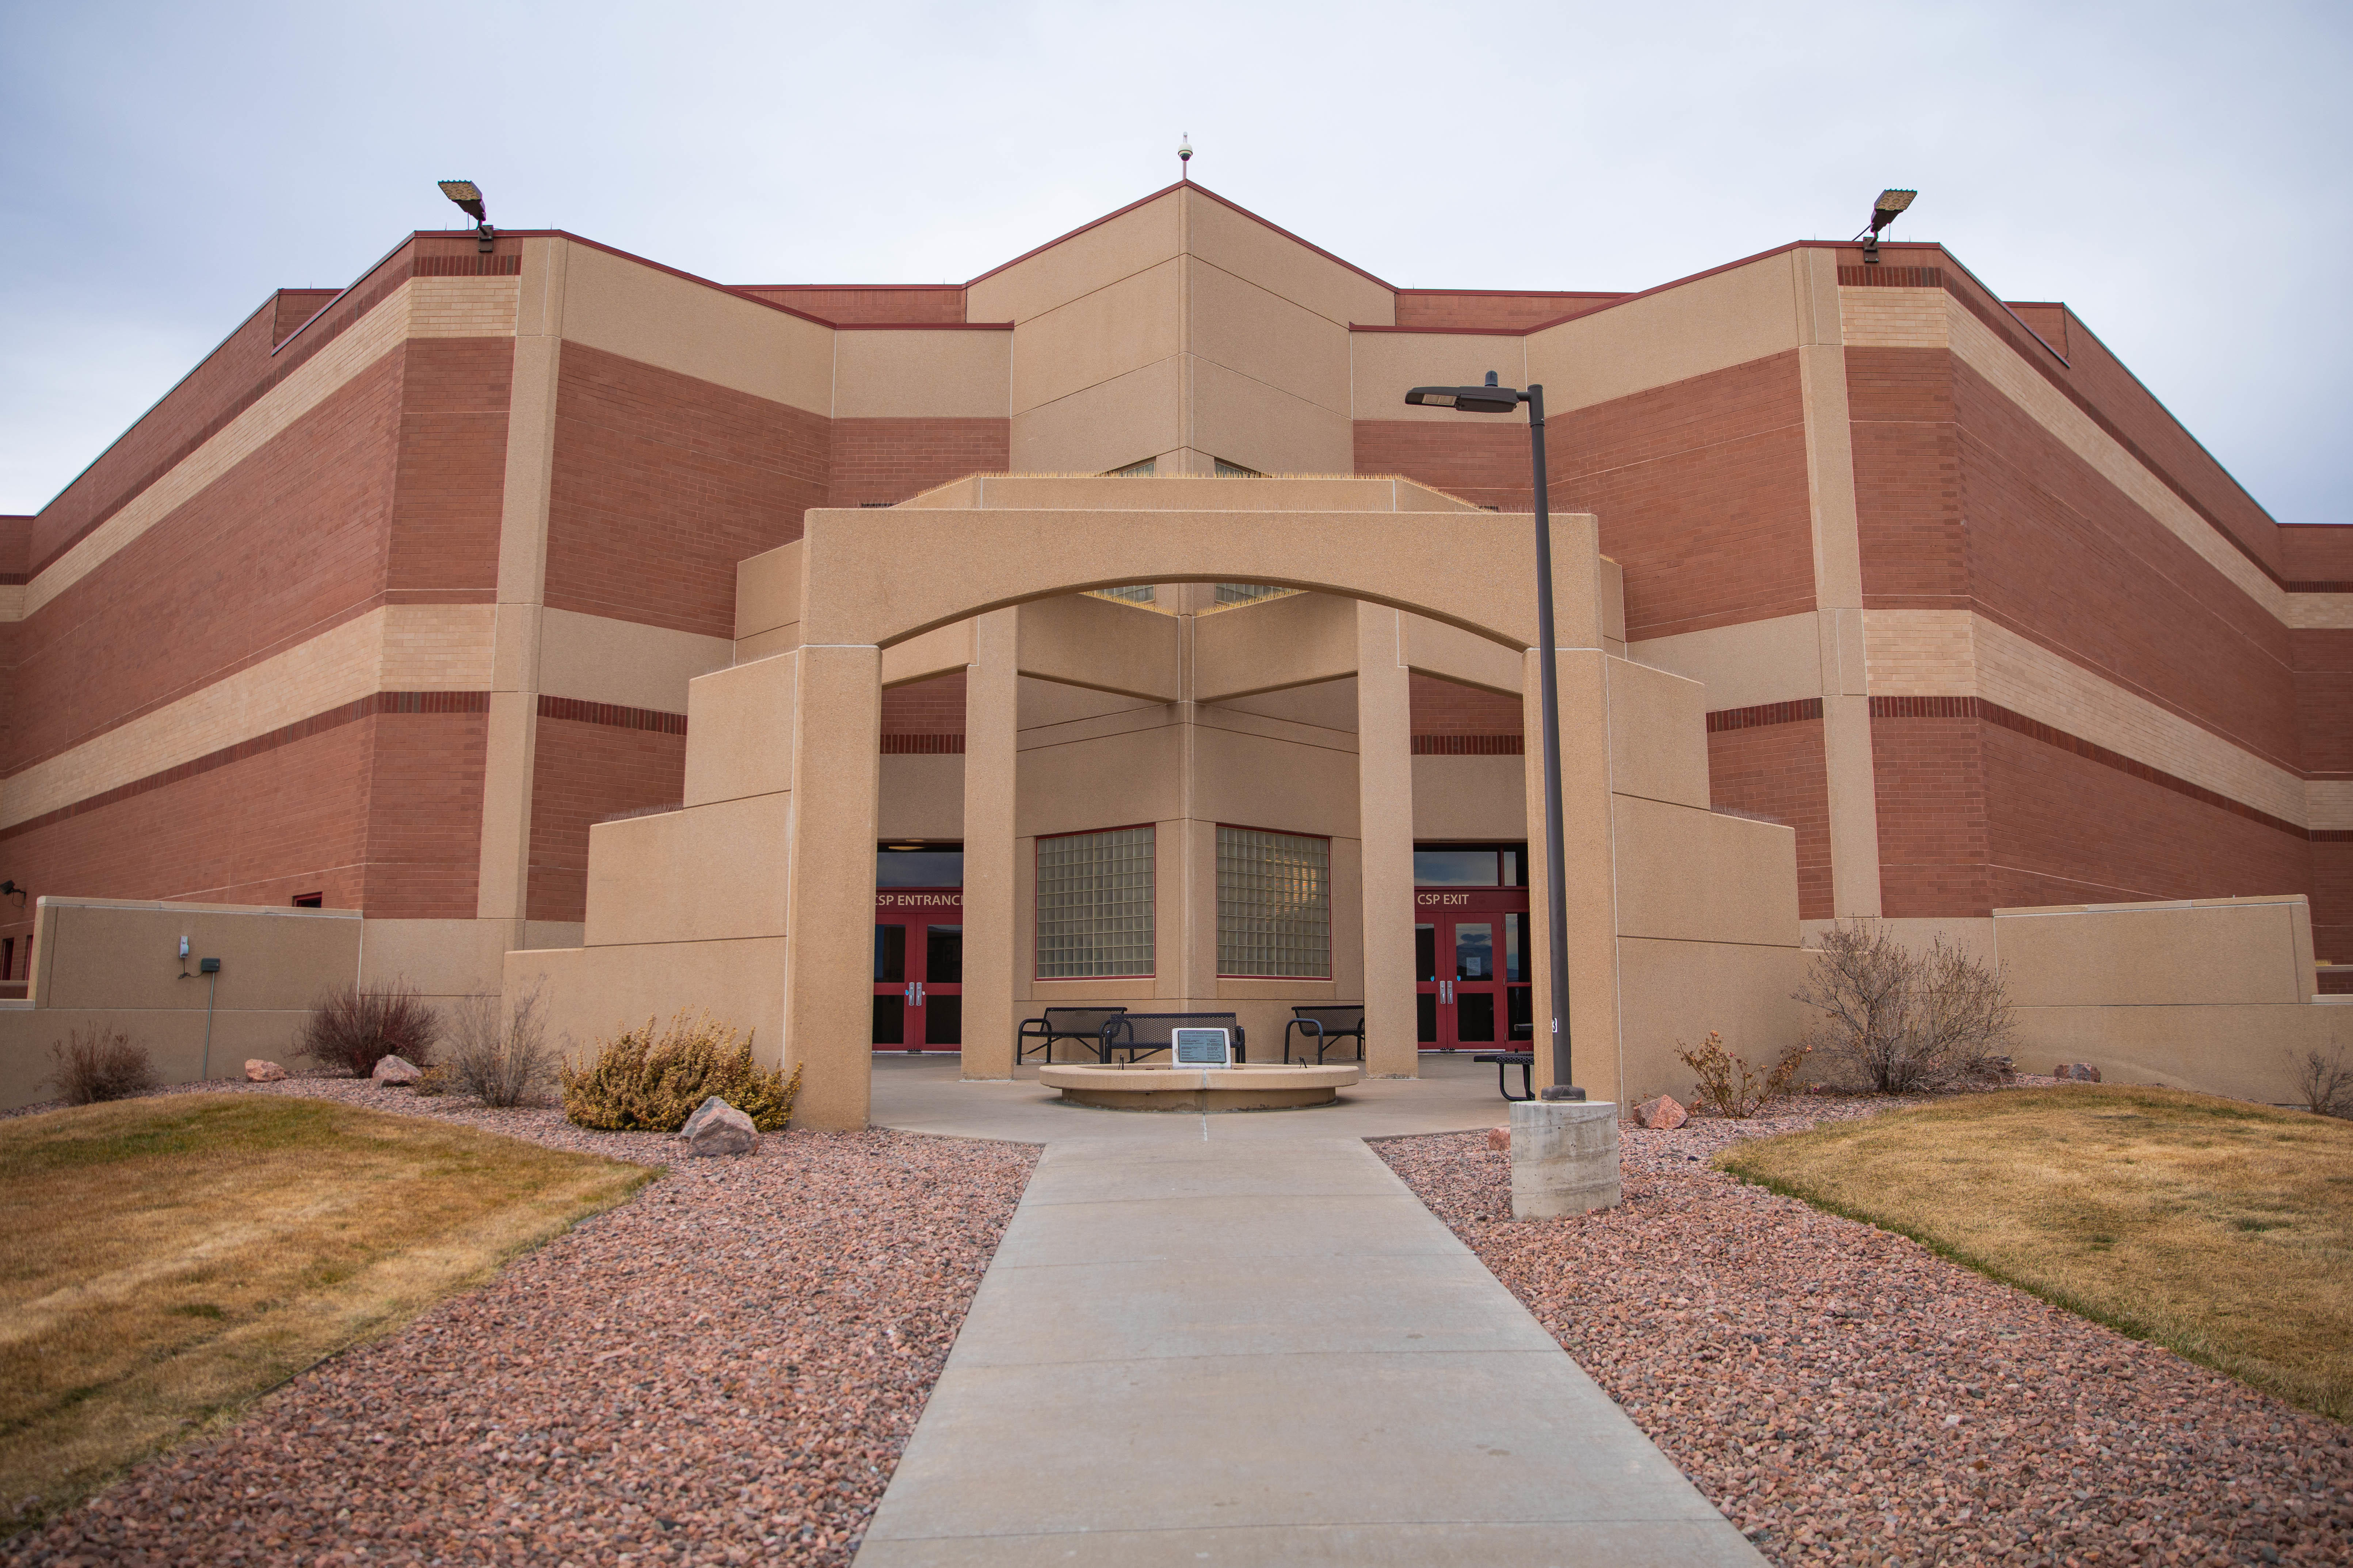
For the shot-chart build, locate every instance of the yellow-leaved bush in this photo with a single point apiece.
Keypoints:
(645, 1081)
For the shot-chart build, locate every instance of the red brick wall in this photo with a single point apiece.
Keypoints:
(2067, 830)
(451, 473)
(1443, 707)
(1907, 479)
(583, 774)
(939, 303)
(425, 815)
(1700, 486)
(2324, 700)
(1778, 771)
(382, 814)
(2059, 554)
(1933, 836)
(1481, 462)
(662, 483)
(890, 459)
(282, 545)
(1490, 312)
(1974, 816)
(2317, 552)
(292, 307)
(1702, 492)
(934, 707)
(2332, 900)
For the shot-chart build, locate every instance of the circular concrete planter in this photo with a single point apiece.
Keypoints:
(1126, 1087)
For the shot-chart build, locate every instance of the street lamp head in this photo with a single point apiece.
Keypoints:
(469, 197)
(1890, 202)
(1487, 399)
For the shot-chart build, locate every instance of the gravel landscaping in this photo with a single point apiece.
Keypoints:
(1845, 1396)
(724, 1370)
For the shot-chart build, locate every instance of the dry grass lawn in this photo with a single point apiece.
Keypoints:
(163, 1261)
(2220, 1229)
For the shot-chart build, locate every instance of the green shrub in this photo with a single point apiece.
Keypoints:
(641, 1081)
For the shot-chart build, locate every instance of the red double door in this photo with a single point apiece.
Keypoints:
(1471, 968)
(918, 969)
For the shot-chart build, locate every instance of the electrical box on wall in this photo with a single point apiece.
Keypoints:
(208, 966)
(183, 950)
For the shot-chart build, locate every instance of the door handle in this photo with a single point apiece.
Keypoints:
(919, 993)
(909, 994)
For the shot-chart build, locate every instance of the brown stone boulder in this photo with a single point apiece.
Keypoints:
(1662, 1114)
(1499, 1138)
(395, 1073)
(718, 1128)
(2077, 1072)
(259, 1071)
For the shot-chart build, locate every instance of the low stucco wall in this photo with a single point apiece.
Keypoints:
(2213, 995)
(114, 964)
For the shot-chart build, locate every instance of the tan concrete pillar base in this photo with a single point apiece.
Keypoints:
(1564, 1157)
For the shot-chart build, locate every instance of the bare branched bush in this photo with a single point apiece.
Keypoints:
(502, 1054)
(1728, 1084)
(93, 1065)
(645, 1080)
(2324, 1082)
(1910, 1021)
(356, 1027)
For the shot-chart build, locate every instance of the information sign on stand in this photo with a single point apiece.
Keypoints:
(1201, 1047)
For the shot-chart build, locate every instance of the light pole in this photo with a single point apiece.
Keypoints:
(1493, 399)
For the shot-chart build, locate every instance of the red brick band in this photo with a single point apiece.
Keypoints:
(611, 714)
(1468, 746)
(1764, 713)
(1883, 275)
(287, 356)
(2033, 730)
(934, 745)
(284, 735)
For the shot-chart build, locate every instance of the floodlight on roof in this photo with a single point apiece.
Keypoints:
(1883, 211)
(469, 197)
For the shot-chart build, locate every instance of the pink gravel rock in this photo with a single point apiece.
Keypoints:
(722, 1371)
(718, 1128)
(395, 1073)
(1844, 1395)
(1499, 1138)
(1662, 1114)
(259, 1071)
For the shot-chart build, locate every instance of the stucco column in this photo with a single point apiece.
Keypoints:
(992, 692)
(829, 909)
(1385, 829)
(1588, 852)
(1838, 588)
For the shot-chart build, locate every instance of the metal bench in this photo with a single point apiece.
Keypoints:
(1081, 1024)
(1326, 1025)
(1504, 1062)
(1141, 1034)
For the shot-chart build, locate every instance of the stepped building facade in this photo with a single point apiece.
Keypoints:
(401, 591)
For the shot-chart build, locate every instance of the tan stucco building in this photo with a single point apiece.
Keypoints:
(560, 612)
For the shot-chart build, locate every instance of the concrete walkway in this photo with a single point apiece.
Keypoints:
(1241, 1340)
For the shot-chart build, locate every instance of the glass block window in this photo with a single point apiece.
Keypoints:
(1094, 904)
(1274, 903)
(1135, 594)
(1246, 593)
(1142, 470)
(1235, 470)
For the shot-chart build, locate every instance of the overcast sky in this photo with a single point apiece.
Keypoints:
(2175, 173)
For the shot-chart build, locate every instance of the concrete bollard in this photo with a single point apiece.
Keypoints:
(1564, 1157)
